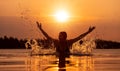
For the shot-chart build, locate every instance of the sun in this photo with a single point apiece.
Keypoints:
(61, 16)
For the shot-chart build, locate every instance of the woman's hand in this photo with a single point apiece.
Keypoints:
(39, 25)
(42, 30)
(91, 29)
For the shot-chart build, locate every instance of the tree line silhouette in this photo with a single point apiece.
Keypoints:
(15, 43)
(12, 43)
(104, 44)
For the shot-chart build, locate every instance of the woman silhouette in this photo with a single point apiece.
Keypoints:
(62, 44)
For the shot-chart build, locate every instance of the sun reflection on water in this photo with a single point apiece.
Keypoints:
(50, 63)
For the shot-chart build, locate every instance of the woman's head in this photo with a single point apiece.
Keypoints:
(62, 35)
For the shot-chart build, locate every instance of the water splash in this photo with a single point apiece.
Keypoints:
(84, 47)
(38, 48)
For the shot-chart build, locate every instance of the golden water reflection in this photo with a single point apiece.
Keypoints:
(51, 63)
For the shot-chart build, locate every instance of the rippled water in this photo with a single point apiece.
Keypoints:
(19, 60)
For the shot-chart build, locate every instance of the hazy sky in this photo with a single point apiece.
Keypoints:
(18, 17)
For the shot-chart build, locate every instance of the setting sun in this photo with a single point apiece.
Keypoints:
(61, 16)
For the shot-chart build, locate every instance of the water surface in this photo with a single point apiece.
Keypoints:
(20, 60)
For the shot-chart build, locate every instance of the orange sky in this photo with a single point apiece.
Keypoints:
(17, 17)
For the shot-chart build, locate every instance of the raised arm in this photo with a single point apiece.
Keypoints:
(82, 35)
(43, 32)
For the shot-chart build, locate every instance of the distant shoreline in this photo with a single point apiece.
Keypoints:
(14, 43)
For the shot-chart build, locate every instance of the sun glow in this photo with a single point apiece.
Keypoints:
(61, 16)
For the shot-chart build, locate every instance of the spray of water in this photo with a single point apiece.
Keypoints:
(37, 48)
(86, 47)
